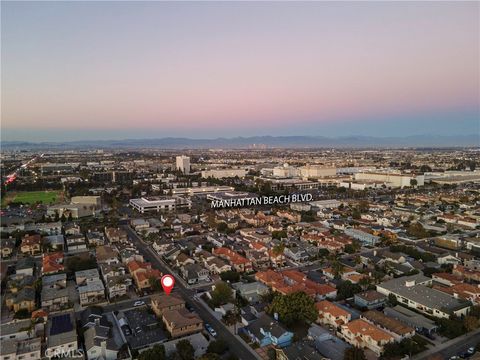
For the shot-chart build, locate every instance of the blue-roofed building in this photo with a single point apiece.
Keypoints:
(266, 331)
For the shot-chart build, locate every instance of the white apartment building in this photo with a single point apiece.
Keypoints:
(183, 164)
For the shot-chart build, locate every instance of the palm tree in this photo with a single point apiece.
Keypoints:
(232, 317)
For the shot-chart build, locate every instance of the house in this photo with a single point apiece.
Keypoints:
(362, 334)
(183, 259)
(370, 299)
(30, 349)
(363, 236)
(393, 326)
(95, 238)
(217, 266)
(106, 254)
(31, 244)
(92, 292)
(25, 266)
(52, 263)
(181, 322)
(85, 276)
(54, 294)
(76, 243)
(117, 286)
(466, 273)
(252, 292)
(412, 291)
(7, 247)
(194, 273)
(266, 331)
(116, 235)
(18, 330)
(143, 280)
(300, 350)
(290, 281)
(331, 314)
(326, 343)
(103, 339)
(21, 300)
(238, 262)
(297, 254)
(55, 242)
(163, 302)
(61, 336)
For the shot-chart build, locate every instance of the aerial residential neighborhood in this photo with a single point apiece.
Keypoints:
(386, 271)
(240, 180)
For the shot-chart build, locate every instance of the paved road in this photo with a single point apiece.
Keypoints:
(235, 346)
(452, 347)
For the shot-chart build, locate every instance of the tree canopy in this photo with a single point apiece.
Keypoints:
(222, 294)
(294, 307)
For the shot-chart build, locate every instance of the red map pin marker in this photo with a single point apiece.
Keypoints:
(167, 283)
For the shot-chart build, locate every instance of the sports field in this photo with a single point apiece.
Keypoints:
(32, 197)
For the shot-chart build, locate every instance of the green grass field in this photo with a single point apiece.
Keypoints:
(32, 197)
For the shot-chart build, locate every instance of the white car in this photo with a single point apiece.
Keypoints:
(139, 303)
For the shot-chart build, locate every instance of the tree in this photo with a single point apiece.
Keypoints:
(231, 318)
(338, 269)
(278, 249)
(155, 283)
(413, 182)
(219, 347)
(470, 323)
(354, 353)
(294, 307)
(222, 227)
(230, 275)
(155, 353)
(347, 289)
(222, 294)
(210, 356)
(185, 350)
(279, 234)
(22, 314)
(392, 300)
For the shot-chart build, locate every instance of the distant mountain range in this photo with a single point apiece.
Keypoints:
(268, 141)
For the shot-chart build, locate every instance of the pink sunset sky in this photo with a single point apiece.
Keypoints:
(79, 70)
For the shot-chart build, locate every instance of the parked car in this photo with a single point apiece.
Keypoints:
(211, 330)
(139, 303)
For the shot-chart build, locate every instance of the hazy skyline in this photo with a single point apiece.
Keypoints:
(109, 70)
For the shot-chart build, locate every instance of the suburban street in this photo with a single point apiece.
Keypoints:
(454, 347)
(235, 346)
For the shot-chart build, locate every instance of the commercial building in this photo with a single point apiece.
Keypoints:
(414, 292)
(224, 173)
(392, 179)
(317, 171)
(191, 191)
(183, 164)
(160, 204)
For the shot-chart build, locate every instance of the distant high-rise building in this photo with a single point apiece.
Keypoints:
(183, 164)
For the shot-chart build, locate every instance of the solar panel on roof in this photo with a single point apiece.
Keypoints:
(61, 324)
